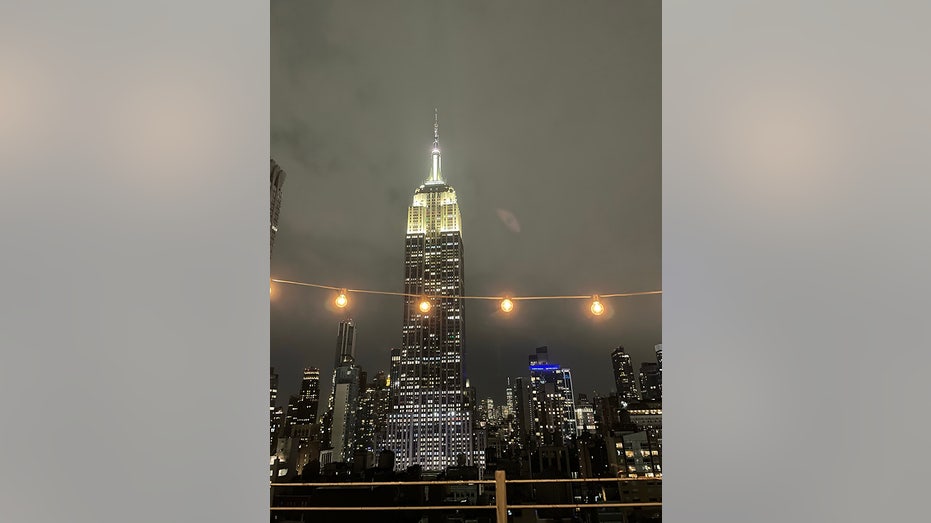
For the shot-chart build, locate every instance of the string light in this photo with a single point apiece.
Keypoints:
(424, 305)
(597, 308)
(342, 300)
(506, 303)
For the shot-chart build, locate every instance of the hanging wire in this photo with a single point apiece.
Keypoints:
(440, 296)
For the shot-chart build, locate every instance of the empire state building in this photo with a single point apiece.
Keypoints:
(430, 424)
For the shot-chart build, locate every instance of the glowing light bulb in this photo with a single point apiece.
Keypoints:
(424, 305)
(342, 300)
(597, 307)
(507, 305)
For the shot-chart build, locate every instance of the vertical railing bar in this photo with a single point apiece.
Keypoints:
(501, 496)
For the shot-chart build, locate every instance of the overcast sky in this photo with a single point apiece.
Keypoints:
(549, 112)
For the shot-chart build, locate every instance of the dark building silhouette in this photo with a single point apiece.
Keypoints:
(522, 410)
(345, 342)
(650, 382)
(277, 182)
(340, 424)
(274, 413)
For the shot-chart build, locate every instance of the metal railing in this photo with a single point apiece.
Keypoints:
(501, 505)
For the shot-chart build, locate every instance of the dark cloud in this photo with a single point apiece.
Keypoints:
(548, 110)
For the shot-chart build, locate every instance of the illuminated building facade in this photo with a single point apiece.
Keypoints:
(298, 439)
(625, 381)
(646, 415)
(430, 423)
(659, 361)
(508, 399)
(639, 455)
(303, 411)
(395, 370)
(585, 416)
(552, 405)
(274, 413)
(381, 402)
(650, 382)
(373, 412)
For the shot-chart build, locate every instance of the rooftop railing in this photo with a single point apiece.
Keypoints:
(501, 505)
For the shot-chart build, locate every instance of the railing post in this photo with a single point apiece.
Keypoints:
(501, 496)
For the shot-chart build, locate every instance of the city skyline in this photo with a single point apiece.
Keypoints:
(556, 198)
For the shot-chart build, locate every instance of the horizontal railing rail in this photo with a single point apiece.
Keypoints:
(389, 483)
(501, 505)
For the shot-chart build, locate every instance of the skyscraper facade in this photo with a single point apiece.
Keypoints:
(509, 397)
(345, 411)
(277, 181)
(552, 403)
(381, 404)
(394, 372)
(659, 361)
(430, 424)
(624, 378)
(585, 415)
(308, 399)
(373, 412)
(650, 382)
(521, 410)
(298, 438)
(345, 342)
(274, 419)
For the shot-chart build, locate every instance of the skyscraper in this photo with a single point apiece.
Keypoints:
(346, 388)
(308, 399)
(298, 434)
(272, 390)
(277, 181)
(345, 342)
(509, 397)
(552, 403)
(430, 424)
(659, 361)
(394, 371)
(624, 378)
(585, 415)
(274, 420)
(339, 427)
(649, 382)
(373, 412)
(521, 410)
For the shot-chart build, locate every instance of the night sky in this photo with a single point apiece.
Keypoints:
(550, 130)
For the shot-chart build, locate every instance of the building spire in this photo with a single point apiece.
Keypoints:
(435, 175)
(436, 129)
